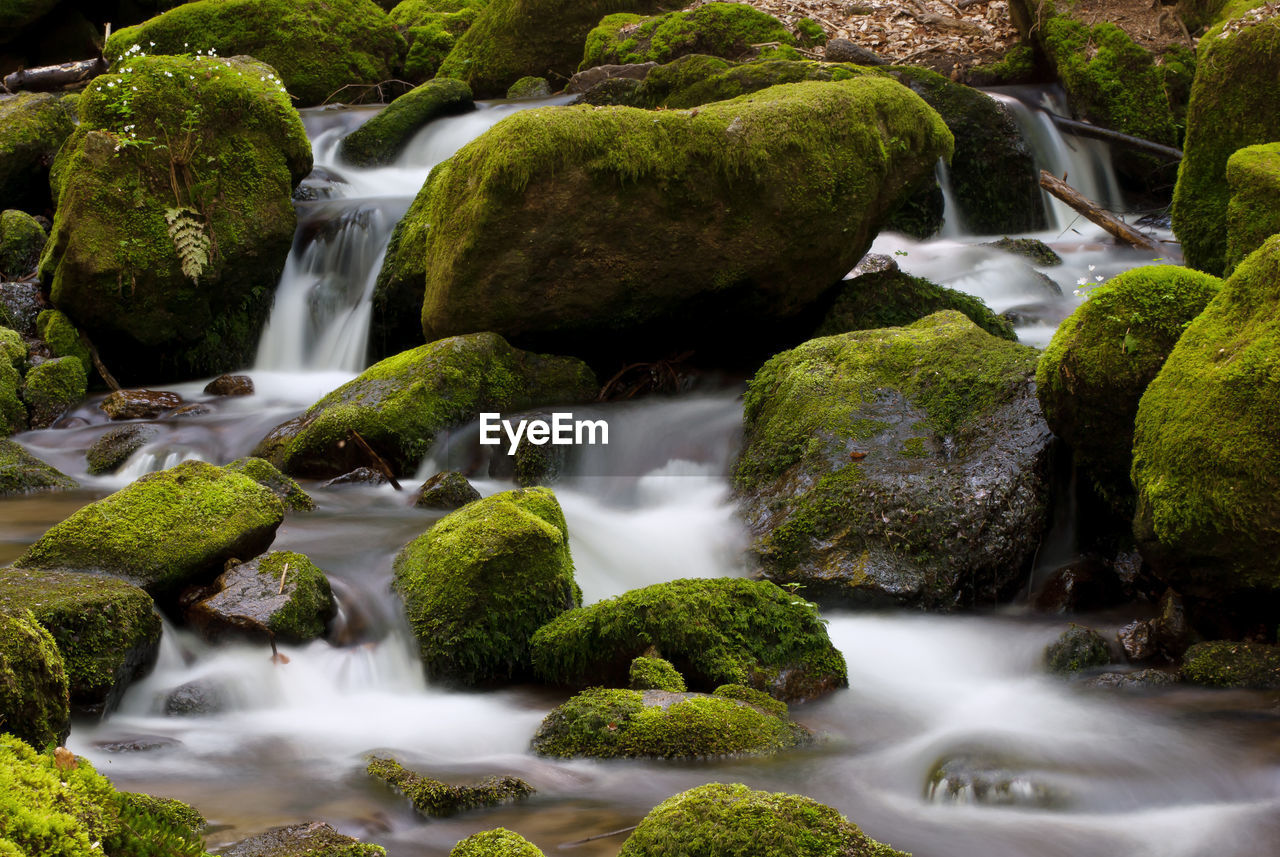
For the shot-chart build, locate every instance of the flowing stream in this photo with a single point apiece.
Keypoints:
(1174, 773)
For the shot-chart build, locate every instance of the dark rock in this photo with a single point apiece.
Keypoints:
(447, 490)
(20, 304)
(22, 239)
(988, 780)
(1138, 640)
(315, 839)
(1084, 585)
(1140, 680)
(195, 409)
(114, 447)
(1078, 649)
(843, 50)
(360, 476)
(138, 744)
(619, 91)
(529, 87)
(437, 799)
(588, 79)
(1226, 664)
(1045, 312)
(195, 699)
(320, 184)
(1031, 248)
(230, 385)
(281, 595)
(138, 404)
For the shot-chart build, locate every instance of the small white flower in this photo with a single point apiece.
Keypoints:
(1098, 278)
(1091, 267)
(153, 44)
(1083, 281)
(111, 84)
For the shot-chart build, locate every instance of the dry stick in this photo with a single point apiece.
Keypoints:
(578, 842)
(1117, 228)
(107, 377)
(54, 77)
(282, 576)
(377, 459)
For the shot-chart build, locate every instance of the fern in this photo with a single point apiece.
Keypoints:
(189, 239)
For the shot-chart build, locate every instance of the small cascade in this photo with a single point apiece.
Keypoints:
(953, 225)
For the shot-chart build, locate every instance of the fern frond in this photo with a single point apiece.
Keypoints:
(189, 240)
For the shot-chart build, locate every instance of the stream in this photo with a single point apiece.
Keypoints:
(1177, 772)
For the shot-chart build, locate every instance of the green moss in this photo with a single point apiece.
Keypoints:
(106, 629)
(914, 447)
(378, 141)
(1078, 649)
(605, 724)
(52, 388)
(164, 531)
(1232, 106)
(499, 842)
(13, 414)
(32, 128)
(399, 404)
(893, 298)
(755, 698)
(1227, 664)
(114, 446)
(1018, 65)
(714, 29)
(62, 338)
(1037, 251)
(814, 167)
(654, 673)
(482, 580)
(265, 474)
(317, 46)
(1092, 376)
(310, 600)
(810, 33)
(282, 595)
(1206, 465)
(735, 821)
(429, 44)
(235, 148)
(13, 349)
(1253, 214)
(435, 799)
(33, 683)
(529, 87)
(21, 240)
(720, 631)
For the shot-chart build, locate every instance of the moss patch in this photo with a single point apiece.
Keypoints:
(498, 842)
(62, 338)
(52, 388)
(1227, 664)
(282, 594)
(434, 798)
(33, 683)
(265, 474)
(648, 673)
(378, 141)
(33, 126)
(1078, 649)
(1253, 214)
(714, 29)
(21, 240)
(23, 473)
(13, 414)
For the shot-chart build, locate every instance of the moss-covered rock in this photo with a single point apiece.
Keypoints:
(1226, 664)
(13, 349)
(13, 414)
(717, 631)
(498, 842)
(107, 630)
(114, 447)
(714, 29)
(318, 46)
(1253, 213)
(1206, 464)
(431, 28)
(1033, 249)
(878, 294)
(309, 839)
(22, 238)
(378, 141)
(164, 531)
(23, 473)
(59, 806)
(219, 189)
(33, 682)
(653, 673)
(872, 458)
(511, 39)
(399, 404)
(1077, 649)
(480, 582)
(52, 388)
(281, 595)
(724, 219)
(448, 490)
(265, 474)
(33, 126)
(1232, 106)
(529, 87)
(435, 799)
(603, 724)
(1092, 376)
(63, 339)
(735, 821)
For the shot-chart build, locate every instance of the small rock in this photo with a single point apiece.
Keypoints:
(585, 80)
(1140, 680)
(114, 447)
(1086, 584)
(193, 699)
(314, 838)
(435, 798)
(138, 744)
(843, 50)
(281, 594)
(1042, 312)
(1078, 649)
(529, 87)
(20, 305)
(1037, 251)
(138, 404)
(446, 490)
(230, 385)
(52, 388)
(359, 476)
(1138, 640)
(988, 780)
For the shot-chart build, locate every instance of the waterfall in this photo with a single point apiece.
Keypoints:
(953, 225)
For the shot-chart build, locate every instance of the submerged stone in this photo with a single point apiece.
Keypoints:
(114, 447)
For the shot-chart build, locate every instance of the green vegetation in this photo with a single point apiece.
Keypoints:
(23, 473)
(1077, 649)
(717, 631)
(114, 446)
(13, 349)
(1253, 213)
(265, 474)
(378, 141)
(32, 128)
(22, 239)
(1227, 664)
(433, 798)
(431, 28)
(62, 338)
(499, 842)
(52, 388)
(715, 29)
(33, 684)
(652, 673)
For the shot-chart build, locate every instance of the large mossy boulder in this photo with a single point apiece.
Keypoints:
(1232, 106)
(1094, 372)
(719, 222)
(23, 473)
(715, 29)
(107, 630)
(479, 583)
(511, 39)
(319, 47)
(604, 724)
(736, 821)
(52, 388)
(1253, 213)
(22, 239)
(1206, 461)
(166, 254)
(498, 842)
(282, 596)
(33, 682)
(715, 631)
(57, 804)
(164, 531)
(905, 465)
(399, 405)
(378, 141)
(33, 126)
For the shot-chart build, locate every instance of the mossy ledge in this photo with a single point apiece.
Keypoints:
(434, 798)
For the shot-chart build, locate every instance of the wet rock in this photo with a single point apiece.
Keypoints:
(230, 385)
(601, 723)
(138, 744)
(378, 141)
(447, 490)
(281, 595)
(107, 630)
(320, 184)
(294, 840)
(33, 683)
(1138, 641)
(194, 409)
(195, 699)
(1223, 663)
(265, 474)
(715, 631)
(1078, 587)
(20, 303)
(1140, 680)
(988, 780)
(1078, 649)
(843, 50)
(588, 79)
(1031, 248)
(530, 87)
(138, 404)
(364, 476)
(1044, 313)
(114, 447)
(615, 91)
(864, 487)
(23, 473)
(654, 673)
(52, 388)
(434, 798)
